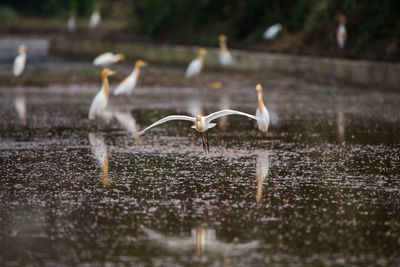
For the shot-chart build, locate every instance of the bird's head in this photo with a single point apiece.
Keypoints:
(141, 63)
(259, 88)
(107, 72)
(121, 57)
(341, 19)
(202, 52)
(22, 49)
(222, 38)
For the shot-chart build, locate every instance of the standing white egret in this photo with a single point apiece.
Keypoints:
(341, 35)
(71, 24)
(201, 123)
(19, 62)
(272, 31)
(225, 57)
(262, 111)
(95, 17)
(99, 103)
(108, 58)
(196, 65)
(129, 83)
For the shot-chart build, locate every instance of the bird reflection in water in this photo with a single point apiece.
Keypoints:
(99, 150)
(20, 107)
(341, 126)
(128, 122)
(202, 240)
(224, 104)
(262, 170)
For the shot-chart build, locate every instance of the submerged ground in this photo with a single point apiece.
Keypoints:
(322, 187)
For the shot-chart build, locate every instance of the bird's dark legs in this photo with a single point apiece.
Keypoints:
(207, 143)
(202, 140)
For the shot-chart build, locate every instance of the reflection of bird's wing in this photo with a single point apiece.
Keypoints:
(169, 118)
(225, 112)
(263, 163)
(127, 85)
(19, 64)
(193, 68)
(99, 148)
(126, 120)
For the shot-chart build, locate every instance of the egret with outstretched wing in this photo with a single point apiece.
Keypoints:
(201, 123)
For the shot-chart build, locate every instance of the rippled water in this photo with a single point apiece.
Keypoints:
(322, 187)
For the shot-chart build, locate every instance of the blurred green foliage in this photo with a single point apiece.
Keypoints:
(372, 25)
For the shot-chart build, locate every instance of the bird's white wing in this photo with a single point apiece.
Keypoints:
(225, 112)
(194, 68)
(169, 118)
(98, 105)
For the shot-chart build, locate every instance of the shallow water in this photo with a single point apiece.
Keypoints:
(322, 187)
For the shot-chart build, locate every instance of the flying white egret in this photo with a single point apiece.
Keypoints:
(341, 35)
(272, 31)
(108, 58)
(95, 17)
(201, 123)
(99, 103)
(262, 111)
(225, 57)
(129, 83)
(19, 62)
(71, 24)
(196, 65)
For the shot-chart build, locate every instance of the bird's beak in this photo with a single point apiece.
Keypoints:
(145, 64)
(111, 72)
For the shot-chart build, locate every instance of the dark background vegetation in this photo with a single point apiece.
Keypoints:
(309, 26)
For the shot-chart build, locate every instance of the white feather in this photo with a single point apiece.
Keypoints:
(20, 107)
(99, 148)
(128, 84)
(99, 104)
(225, 58)
(341, 36)
(71, 24)
(19, 64)
(106, 59)
(94, 20)
(226, 112)
(127, 121)
(272, 31)
(169, 118)
(263, 124)
(194, 68)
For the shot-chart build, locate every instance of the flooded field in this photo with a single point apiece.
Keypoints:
(321, 188)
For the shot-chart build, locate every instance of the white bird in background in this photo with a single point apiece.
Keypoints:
(71, 24)
(95, 17)
(108, 58)
(129, 83)
(99, 103)
(128, 122)
(20, 107)
(341, 35)
(225, 57)
(272, 31)
(201, 123)
(262, 169)
(99, 150)
(262, 111)
(196, 65)
(19, 62)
